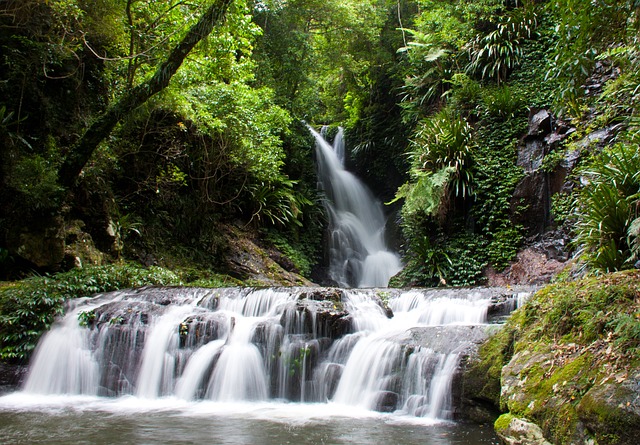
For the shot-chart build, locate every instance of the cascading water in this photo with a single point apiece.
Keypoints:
(358, 254)
(323, 345)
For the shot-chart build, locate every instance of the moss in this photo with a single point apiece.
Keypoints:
(572, 341)
(503, 422)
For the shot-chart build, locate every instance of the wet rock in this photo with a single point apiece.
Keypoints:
(447, 339)
(561, 130)
(386, 401)
(540, 123)
(501, 306)
(200, 329)
(532, 195)
(530, 155)
(80, 250)
(322, 313)
(246, 260)
(533, 267)
(332, 375)
(514, 377)
(520, 432)
(11, 377)
(599, 138)
(322, 294)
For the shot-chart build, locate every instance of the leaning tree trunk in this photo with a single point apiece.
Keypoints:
(80, 153)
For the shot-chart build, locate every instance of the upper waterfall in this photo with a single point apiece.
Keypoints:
(358, 254)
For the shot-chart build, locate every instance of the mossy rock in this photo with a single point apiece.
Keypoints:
(612, 411)
(516, 431)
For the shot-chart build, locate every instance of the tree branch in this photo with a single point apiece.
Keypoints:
(80, 153)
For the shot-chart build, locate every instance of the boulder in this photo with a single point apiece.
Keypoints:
(516, 431)
(611, 411)
(43, 245)
(386, 401)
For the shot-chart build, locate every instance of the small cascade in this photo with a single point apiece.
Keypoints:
(64, 363)
(358, 254)
(384, 350)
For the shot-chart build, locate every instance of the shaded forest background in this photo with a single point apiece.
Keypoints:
(485, 124)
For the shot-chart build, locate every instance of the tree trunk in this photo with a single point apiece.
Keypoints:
(82, 150)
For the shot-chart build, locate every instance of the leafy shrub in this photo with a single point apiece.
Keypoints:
(495, 179)
(425, 194)
(28, 307)
(445, 141)
(277, 202)
(494, 54)
(300, 255)
(427, 261)
(608, 208)
(502, 102)
(585, 30)
(468, 256)
(431, 61)
(457, 260)
(465, 93)
(563, 207)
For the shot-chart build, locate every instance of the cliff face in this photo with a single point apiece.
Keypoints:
(569, 364)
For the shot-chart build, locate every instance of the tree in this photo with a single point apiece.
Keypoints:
(82, 150)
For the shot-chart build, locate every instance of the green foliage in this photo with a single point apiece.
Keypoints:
(427, 263)
(586, 310)
(608, 208)
(467, 253)
(444, 141)
(622, 95)
(494, 54)
(28, 307)
(563, 207)
(426, 194)
(431, 62)
(277, 202)
(495, 179)
(502, 102)
(585, 31)
(197, 277)
(86, 318)
(465, 93)
(36, 179)
(504, 245)
(302, 255)
(456, 260)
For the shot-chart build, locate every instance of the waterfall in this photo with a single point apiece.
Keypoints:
(313, 345)
(358, 255)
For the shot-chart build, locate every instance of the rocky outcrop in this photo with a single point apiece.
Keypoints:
(567, 365)
(41, 243)
(547, 166)
(248, 261)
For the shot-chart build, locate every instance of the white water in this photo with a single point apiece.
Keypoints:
(239, 346)
(358, 254)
